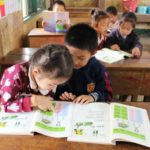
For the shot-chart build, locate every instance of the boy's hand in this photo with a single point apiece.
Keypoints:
(42, 102)
(67, 96)
(115, 47)
(136, 52)
(84, 99)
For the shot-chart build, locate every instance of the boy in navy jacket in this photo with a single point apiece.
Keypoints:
(90, 81)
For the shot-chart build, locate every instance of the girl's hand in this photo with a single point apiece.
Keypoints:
(84, 99)
(42, 102)
(115, 47)
(67, 96)
(136, 52)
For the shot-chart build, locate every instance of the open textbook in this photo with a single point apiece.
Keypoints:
(55, 21)
(93, 123)
(111, 56)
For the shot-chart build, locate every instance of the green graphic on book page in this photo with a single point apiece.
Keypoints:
(128, 121)
(54, 121)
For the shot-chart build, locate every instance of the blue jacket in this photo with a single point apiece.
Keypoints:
(91, 79)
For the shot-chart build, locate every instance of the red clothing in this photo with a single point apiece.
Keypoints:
(15, 90)
(101, 43)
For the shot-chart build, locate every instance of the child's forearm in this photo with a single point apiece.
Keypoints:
(16, 105)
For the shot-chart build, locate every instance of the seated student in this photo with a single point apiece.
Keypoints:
(100, 21)
(58, 6)
(32, 84)
(113, 16)
(124, 38)
(90, 81)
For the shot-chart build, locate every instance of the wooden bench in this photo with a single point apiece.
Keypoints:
(129, 77)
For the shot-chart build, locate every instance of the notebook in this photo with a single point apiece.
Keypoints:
(110, 56)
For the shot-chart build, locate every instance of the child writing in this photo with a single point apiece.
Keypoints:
(58, 6)
(90, 81)
(100, 22)
(32, 84)
(124, 37)
(113, 15)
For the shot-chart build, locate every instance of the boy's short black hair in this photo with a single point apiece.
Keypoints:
(129, 17)
(82, 36)
(59, 2)
(112, 10)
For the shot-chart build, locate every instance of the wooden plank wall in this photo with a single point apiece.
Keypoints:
(11, 26)
(13, 31)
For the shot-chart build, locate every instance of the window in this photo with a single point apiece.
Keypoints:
(31, 7)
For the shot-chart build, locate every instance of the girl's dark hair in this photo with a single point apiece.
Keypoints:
(112, 10)
(82, 36)
(129, 17)
(97, 15)
(54, 60)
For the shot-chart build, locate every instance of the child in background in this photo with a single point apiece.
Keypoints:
(113, 16)
(58, 6)
(32, 84)
(100, 22)
(90, 81)
(124, 38)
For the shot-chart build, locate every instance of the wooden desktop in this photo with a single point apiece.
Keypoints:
(38, 37)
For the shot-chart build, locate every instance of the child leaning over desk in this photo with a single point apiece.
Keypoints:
(90, 81)
(113, 16)
(58, 6)
(32, 84)
(100, 21)
(124, 38)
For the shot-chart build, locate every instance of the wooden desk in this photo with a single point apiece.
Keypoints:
(41, 142)
(129, 77)
(16, 56)
(38, 37)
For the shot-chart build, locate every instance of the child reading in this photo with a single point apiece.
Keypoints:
(58, 6)
(113, 15)
(124, 38)
(32, 84)
(100, 22)
(90, 81)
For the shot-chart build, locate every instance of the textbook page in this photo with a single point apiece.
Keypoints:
(90, 123)
(16, 123)
(54, 124)
(110, 56)
(130, 124)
